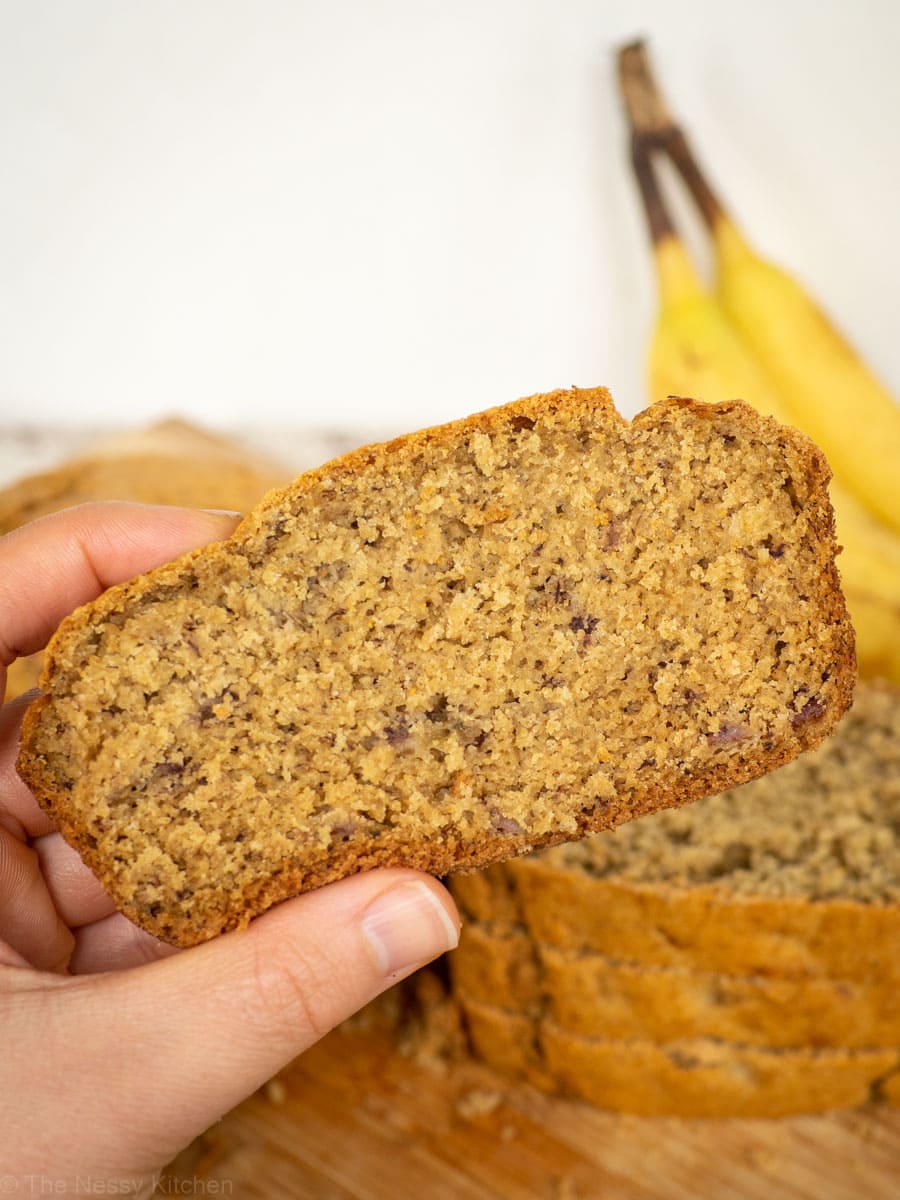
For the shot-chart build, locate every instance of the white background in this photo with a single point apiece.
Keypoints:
(385, 214)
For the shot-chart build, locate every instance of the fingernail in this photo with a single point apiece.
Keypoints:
(406, 927)
(222, 512)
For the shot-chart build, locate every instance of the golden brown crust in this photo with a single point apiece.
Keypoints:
(452, 853)
(690, 1078)
(499, 964)
(888, 1088)
(700, 928)
(636, 993)
(595, 996)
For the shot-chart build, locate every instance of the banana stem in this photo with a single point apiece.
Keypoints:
(676, 276)
(654, 128)
(659, 221)
(648, 113)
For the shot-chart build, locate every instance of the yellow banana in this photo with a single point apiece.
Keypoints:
(822, 383)
(695, 351)
(825, 385)
(877, 635)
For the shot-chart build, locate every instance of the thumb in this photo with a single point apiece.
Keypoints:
(141, 1061)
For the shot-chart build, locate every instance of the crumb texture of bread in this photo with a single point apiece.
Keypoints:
(447, 650)
(823, 827)
(795, 874)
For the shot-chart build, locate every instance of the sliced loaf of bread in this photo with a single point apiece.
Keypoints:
(698, 1077)
(796, 874)
(447, 650)
(595, 996)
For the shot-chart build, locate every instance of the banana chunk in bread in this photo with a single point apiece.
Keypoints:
(447, 650)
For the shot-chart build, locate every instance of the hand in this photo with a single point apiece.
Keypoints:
(118, 1050)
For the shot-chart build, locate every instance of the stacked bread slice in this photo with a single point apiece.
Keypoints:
(171, 462)
(740, 956)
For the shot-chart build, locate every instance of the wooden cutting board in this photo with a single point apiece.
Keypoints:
(355, 1119)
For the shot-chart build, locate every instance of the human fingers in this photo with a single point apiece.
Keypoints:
(10, 957)
(77, 894)
(47, 569)
(53, 565)
(206, 1027)
(20, 813)
(29, 922)
(114, 944)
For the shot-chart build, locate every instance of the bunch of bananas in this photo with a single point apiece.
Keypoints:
(758, 336)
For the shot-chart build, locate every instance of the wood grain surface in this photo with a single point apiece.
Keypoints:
(355, 1120)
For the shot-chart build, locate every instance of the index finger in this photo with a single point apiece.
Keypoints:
(50, 567)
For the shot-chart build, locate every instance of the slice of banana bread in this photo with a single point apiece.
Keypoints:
(172, 462)
(593, 995)
(447, 650)
(697, 1077)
